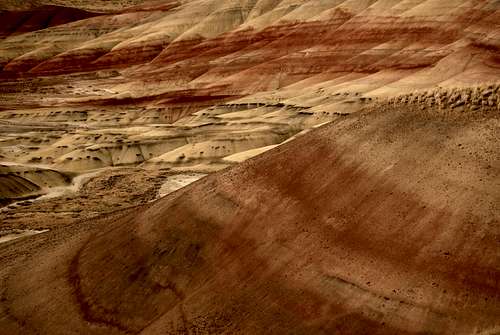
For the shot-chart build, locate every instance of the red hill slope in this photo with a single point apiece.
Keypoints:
(18, 22)
(247, 46)
(385, 222)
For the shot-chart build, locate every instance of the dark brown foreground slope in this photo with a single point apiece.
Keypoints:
(384, 222)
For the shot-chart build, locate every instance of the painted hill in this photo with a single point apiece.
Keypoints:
(352, 155)
(245, 74)
(383, 223)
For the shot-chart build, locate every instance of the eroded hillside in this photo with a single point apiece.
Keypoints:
(199, 85)
(360, 137)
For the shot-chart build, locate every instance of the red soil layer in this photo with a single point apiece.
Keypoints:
(246, 61)
(176, 104)
(342, 231)
(18, 22)
(384, 222)
(340, 44)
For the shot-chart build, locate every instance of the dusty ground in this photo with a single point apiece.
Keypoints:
(108, 191)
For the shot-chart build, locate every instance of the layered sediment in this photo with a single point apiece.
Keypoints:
(382, 221)
(342, 158)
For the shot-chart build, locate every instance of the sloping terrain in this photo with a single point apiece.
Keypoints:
(379, 223)
(347, 150)
(21, 181)
(195, 83)
(18, 22)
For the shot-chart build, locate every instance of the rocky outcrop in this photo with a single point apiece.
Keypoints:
(19, 182)
(486, 97)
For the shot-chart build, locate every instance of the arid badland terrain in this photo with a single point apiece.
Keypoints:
(250, 167)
